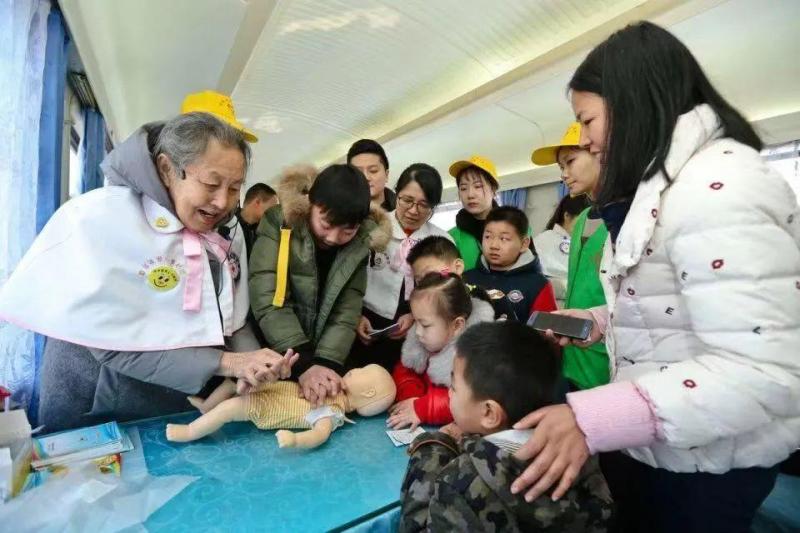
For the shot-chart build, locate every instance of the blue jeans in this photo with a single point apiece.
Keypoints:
(654, 500)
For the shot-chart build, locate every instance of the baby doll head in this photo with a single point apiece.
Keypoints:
(370, 390)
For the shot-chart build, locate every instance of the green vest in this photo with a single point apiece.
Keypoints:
(586, 367)
(468, 246)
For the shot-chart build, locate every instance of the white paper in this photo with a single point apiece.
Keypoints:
(6, 474)
(510, 440)
(91, 501)
(388, 330)
(404, 437)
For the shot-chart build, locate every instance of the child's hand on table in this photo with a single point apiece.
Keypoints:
(402, 414)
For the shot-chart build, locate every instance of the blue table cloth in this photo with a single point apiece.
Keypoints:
(781, 511)
(248, 484)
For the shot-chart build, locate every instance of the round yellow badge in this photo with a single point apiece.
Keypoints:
(162, 222)
(163, 278)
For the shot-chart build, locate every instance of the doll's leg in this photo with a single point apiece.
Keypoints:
(230, 410)
(225, 390)
(310, 438)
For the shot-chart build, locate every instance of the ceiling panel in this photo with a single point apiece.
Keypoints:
(748, 52)
(143, 56)
(325, 74)
(422, 74)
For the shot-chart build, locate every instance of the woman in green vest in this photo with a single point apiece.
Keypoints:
(476, 179)
(583, 367)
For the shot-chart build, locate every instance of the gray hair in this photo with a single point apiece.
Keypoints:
(185, 138)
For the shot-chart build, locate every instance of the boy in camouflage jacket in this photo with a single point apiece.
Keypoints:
(502, 371)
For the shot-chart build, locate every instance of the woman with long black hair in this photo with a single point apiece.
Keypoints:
(702, 278)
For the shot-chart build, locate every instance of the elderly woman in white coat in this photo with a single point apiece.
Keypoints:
(142, 299)
(702, 278)
(389, 277)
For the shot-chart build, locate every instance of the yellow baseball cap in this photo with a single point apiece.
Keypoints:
(548, 155)
(219, 105)
(483, 163)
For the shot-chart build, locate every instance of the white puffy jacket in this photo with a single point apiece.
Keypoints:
(703, 292)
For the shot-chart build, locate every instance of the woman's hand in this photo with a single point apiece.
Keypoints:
(559, 448)
(255, 368)
(363, 329)
(402, 414)
(405, 322)
(318, 383)
(594, 337)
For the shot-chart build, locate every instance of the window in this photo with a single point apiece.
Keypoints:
(74, 163)
(445, 215)
(785, 158)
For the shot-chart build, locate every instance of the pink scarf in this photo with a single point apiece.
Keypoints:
(193, 252)
(399, 264)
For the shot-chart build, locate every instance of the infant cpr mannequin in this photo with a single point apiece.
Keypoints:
(368, 391)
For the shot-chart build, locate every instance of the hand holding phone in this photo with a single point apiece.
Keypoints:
(562, 325)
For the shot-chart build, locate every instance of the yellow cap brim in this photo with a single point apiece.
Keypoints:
(548, 155)
(457, 167)
(249, 136)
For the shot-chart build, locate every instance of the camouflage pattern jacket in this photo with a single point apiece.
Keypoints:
(466, 487)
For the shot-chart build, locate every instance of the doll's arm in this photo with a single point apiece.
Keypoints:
(310, 438)
(230, 410)
(225, 390)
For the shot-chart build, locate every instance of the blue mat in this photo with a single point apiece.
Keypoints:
(248, 484)
(781, 510)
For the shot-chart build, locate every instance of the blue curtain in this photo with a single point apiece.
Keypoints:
(50, 141)
(515, 197)
(52, 120)
(563, 190)
(23, 45)
(93, 149)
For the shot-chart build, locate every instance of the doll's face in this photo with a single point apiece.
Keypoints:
(370, 390)
(355, 380)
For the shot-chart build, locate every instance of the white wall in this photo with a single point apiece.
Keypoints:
(542, 201)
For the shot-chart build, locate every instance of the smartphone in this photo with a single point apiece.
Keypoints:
(385, 332)
(566, 326)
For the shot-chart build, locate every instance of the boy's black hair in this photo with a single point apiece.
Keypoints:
(367, 146)
(433, 246)
(342, 192)
(509, 363)
(427, 178)
(516, 217)
(259, 190)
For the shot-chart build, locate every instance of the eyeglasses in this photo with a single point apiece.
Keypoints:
(407, 202)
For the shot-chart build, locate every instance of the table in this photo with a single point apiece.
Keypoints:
(781, 510)
(248, 484)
